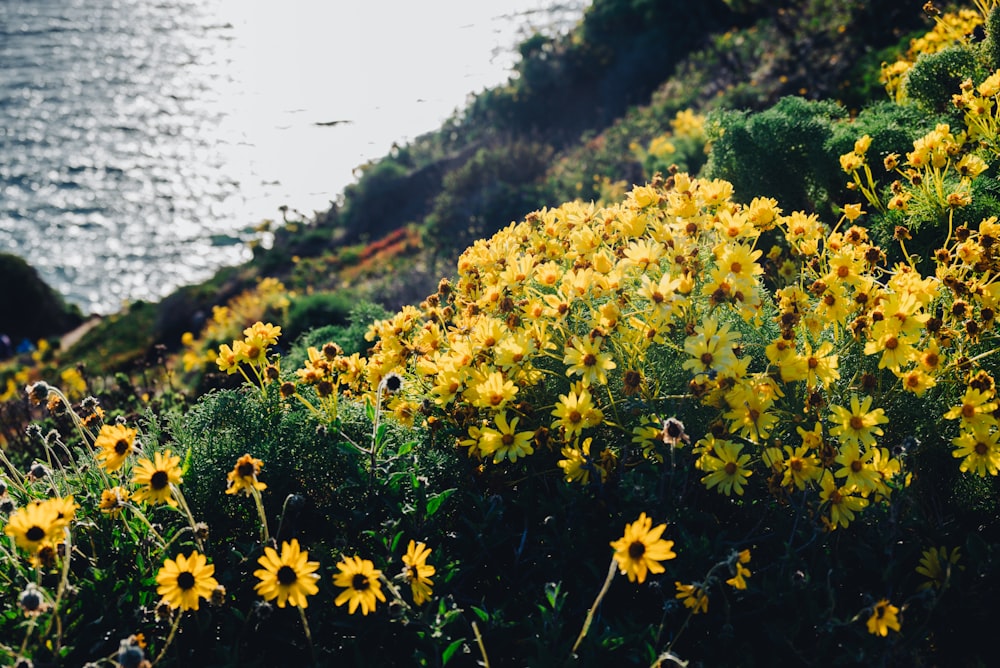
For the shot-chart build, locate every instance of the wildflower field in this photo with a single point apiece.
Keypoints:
(690, 425)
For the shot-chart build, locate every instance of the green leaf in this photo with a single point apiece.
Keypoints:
(405, 448)
(395, 541)
(434, 501)
(450, 650)
(369, 410)
(482, 614)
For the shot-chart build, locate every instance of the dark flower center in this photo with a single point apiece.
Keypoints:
(636, 550)
(856, 422)
(159, 480)
(856, 465)
(393, 383)
(360, 582)
(35, 533)
(287, 575)
(245, 470)
(122, 446)
(589, 359)
(185, 580)
(730, 468)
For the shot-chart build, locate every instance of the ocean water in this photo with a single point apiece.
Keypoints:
(142, 140)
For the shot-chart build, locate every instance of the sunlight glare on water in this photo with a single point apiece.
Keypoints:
(142, 141)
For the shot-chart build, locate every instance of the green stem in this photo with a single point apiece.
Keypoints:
(259, 502)
(170, 638)
(597, 601)
(305, 627)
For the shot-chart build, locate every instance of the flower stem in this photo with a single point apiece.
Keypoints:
(482, 646)
(305, 627)
(170, 638)
(597, 601)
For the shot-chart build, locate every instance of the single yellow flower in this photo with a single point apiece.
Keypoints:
(641, 549)
(289, 577)
(243, 477)
(155, 478)
(884, 617)
(34, 526)
(418, 572)
(185, 581)
(115, 443)
(360, 580)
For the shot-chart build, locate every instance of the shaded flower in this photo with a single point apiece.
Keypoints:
(884, 617)
(694, 597)
(243, 477)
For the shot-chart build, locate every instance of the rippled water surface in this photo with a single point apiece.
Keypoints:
(141, 140)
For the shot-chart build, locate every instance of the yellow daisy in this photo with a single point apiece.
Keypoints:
(418, 571)
(185, 581)
(360, 580)
(115, 443)
(641, 549)
(243, 477)
(155, 477)
(289, 577)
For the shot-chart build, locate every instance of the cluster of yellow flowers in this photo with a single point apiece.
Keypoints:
(557, 322)
(685, 126)
(226, 321)
(251, 352)
(949, 29)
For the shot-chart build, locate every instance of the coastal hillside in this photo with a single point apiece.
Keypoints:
(678, 349)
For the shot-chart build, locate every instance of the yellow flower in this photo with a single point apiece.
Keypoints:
(360, 580)
(857, 468)
(576, 411)
(742, 572)
(185, 581)
(641, 549)
(113, 500)
(978, 448)
(976, 409)
(800, 466)
(505, 442)
(694, 597)
(227, 359)
(115, 443)
(155, 478)
(842, 505)
(493, 391)
(243, 477)
(857, 425)
(289, 577)
(578, 464)
(34, 526)
(584, 357)
(418, 571)
(884, 617)
(726, 467)
(935, 565)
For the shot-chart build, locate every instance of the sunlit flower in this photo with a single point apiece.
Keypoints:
(360, 580)
(641, 549)
(185, 581)
(418, 572)
(33, 526)
(584, 357)
(841, 503)
(115, 443)
(155, 478)
(576, 411)
(578, 464)
(801, 466)
(243, 477)
(976, 409)
(505, 442)
(726, 467)
(978, 448)
(859, 424)
(289, 577)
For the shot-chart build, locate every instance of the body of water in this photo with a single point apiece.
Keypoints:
(142, 140)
